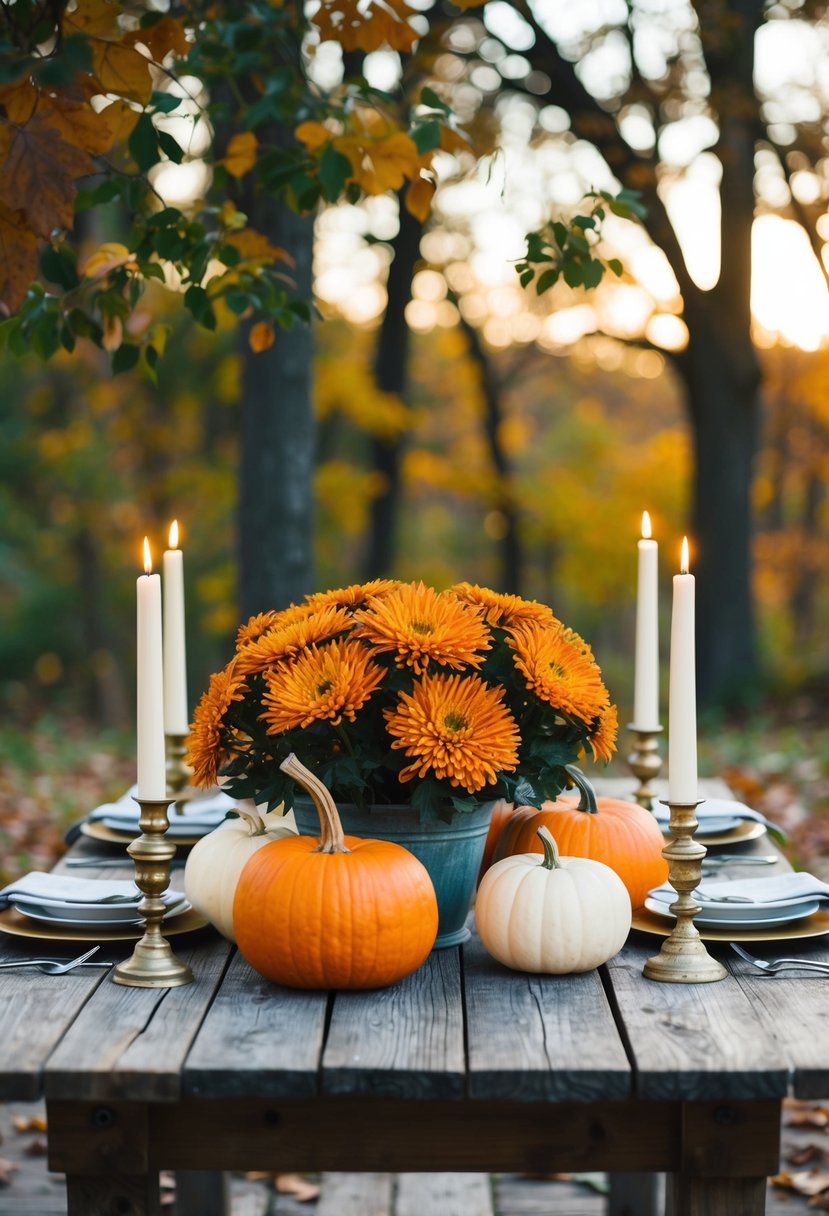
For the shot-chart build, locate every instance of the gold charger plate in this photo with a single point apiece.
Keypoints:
(100, 831)
(18, 925)
(748, 829)
(807, 926)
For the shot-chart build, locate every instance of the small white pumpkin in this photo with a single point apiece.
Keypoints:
(552, 914)
(212, 870)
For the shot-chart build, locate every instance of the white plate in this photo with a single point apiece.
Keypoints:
(716, 826)
(58, 917)
(741, 915)
(181, 826)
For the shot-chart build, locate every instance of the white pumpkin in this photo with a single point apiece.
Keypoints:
(552, 914)
(212, 870)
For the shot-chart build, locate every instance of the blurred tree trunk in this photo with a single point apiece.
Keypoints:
(391, 374)
(275, 519)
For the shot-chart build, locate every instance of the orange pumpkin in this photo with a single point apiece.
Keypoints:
(333, 911)
(501, 813)
(623, 835)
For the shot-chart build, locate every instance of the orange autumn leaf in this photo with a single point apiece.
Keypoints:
(241, 154)
(92, 17)
(313, 134)
(120, 117)
(106, 257)
(160, 38)
(357, 27)
(18, 258)
(113, 333)
(121, 69)
(19, 101)
(382, 165)
(78, 123)
(419, 197)
(262, 337)
(37, 174)
(256, 248)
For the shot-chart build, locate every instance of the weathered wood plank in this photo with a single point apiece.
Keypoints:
(444, 1195)
(136, 1196)
(258, 1039)
(534, 1037)
(401, 1041)
(344, 1194)
(380, 1134)
(715, 1196)
(132, 1042)
(693, 1041)
(35, 1013)
(793, 1008)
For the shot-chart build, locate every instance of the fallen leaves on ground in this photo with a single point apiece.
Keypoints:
(6, 1169)
(36, 1123)
(803, 1182)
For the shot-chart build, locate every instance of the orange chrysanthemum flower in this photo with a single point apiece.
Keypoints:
(323, 683)
(354, 596)
(421, 626)
(289, 638)
(207, 751)
(603, 740)
(503, 611)
(253, 629)
(559, 667)
(454, 727)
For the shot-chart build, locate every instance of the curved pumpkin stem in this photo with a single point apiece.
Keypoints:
(332, 838)
(587, 795)
(551, 859)
(251, 816)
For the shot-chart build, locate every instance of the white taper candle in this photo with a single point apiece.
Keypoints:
(152, 781)
(682, 709)
(176, 718)
(646, 664)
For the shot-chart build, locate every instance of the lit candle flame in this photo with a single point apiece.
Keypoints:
(174, 534)
(646, 526)
(683, 560)
(148, 560)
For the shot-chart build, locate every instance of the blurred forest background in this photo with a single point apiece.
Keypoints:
(466, 427)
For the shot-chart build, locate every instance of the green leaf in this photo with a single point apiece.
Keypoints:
(428, 97)
(197, 301)
(143, 143)
(171, 148)
(616, 266)
(426, 136)
(584, 221)
(59, 266)
(333, 171)
(125, 358)
(547, 279)
(165, 103)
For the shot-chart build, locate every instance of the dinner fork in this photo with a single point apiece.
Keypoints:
(50, 966)
(771, 966)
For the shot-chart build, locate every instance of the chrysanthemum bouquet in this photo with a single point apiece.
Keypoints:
(396, 693)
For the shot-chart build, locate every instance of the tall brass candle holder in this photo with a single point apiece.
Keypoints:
(178, 773)
(152, 963)
(684, 958)
(645, 763)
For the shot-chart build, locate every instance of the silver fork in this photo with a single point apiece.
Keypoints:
(50, 966)
(771, 966)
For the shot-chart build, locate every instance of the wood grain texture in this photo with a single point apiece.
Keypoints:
(693, 1041)
(715, 1196)
(258, 1040)
(794, 1008)
(36, 1012)
(137, 1196)
(132, 1042)
(531, 1038)
(349, 1194)
(401, 1041)
(444, 1195)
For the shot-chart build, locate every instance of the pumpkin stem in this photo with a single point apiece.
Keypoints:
(551, 859)
(587, 795)
(332, 838)
(251, 817)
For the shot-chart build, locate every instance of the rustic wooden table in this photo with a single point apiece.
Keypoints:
(464, 1066)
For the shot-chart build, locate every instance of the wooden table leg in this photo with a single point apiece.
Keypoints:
(715, 1196)
(202, 1193)
(633, 1194)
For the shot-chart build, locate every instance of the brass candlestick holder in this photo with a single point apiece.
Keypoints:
(178, 773)
(683, 958)
(152, 963)
(645, 762)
